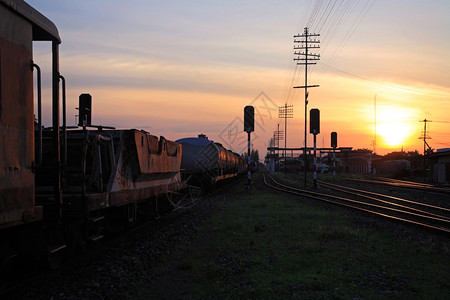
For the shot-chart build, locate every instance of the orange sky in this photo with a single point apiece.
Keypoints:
(177, 69)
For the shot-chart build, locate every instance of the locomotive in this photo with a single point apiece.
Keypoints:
(60, 187)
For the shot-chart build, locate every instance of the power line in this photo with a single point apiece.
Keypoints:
(336, 20)
(408, 90)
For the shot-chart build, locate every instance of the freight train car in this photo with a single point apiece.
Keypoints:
(205, 162)
(111, 174)
(61, 188)
(20, 25)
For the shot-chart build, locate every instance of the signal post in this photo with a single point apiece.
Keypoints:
(314, 128)
(334, 145)
(249, 126)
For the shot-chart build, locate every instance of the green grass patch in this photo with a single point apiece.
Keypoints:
(265, 244)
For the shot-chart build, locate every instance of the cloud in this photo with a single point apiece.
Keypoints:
(180, 67)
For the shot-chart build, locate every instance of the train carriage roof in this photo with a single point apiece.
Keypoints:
(43, 28)
(195, 141)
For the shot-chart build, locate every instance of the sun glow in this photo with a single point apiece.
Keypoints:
(395, 125)
(394, 134)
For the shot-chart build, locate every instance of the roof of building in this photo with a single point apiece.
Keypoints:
(440, 154)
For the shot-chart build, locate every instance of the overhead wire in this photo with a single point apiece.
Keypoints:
(341, 22)
(327, 16)
(315, 12)
(295, 72)
(334, 20)
(351, 31)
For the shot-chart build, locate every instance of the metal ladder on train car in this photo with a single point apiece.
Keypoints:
(94, 227)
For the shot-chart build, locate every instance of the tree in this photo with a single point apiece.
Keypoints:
(254, 156)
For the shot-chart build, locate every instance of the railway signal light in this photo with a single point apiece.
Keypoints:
(85, 107)
(334, 139)
(249, 126)
(314, 116)
(314, 128)
(249, 118)
(334, 145)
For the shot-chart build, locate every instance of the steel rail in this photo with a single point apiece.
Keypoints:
(360, 193)
(403, 181)
(404, 185)
(315, 195)
(334, 186)
(363, 203)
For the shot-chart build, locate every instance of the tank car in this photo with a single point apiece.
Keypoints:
(205, 162)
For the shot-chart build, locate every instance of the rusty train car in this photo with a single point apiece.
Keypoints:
(61, 188)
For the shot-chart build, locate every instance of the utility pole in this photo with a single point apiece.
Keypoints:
(286, 111)
(374, 142)
(375, 125)
(278, 136)
(305, 57)
(424, 137)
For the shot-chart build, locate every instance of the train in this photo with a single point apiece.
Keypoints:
(64, 187)
(206, 162)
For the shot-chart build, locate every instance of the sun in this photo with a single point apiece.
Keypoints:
(395, 125)
(394, 134)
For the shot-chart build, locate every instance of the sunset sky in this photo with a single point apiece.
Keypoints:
(179, 68)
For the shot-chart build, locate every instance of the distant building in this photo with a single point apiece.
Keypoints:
(354, 161)
(439, 163)
(293, 165)
(392, 166)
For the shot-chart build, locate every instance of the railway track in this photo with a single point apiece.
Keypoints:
(404, 184)
(411, 212)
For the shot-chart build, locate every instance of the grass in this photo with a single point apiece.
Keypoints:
(268, 245)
